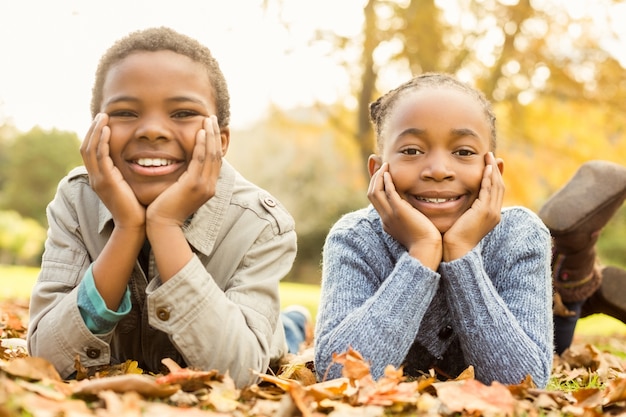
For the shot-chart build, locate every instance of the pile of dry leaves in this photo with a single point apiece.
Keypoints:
(31, 386)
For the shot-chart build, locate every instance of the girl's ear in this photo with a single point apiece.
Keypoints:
(500, 163)
(374, 162)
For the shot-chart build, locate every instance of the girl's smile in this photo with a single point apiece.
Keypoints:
(435, 142)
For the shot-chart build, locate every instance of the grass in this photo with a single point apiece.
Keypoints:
(17, 282)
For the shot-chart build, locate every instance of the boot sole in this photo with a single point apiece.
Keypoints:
(595, 185)
(612, 293)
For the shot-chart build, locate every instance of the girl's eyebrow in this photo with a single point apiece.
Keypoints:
(456, 132)
(463, 132)
(411, 131)
(176, 99)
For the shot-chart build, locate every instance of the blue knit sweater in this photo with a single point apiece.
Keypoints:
(492, 308)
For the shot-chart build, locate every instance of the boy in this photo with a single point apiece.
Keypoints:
(158, 247)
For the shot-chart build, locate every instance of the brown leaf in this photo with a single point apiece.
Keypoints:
(615, 392)
(224, 395)
(298, 372)
(32, 368)
(474, 397)
(354, 365)
(143, 384)
(188, 379)
(588, 397)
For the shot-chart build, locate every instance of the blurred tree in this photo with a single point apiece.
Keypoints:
(513, 51)
(37, 160)
(550, 68)
(313, 169)
(7, 135)
(21, 239)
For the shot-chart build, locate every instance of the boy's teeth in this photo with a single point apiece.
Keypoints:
(153, 162)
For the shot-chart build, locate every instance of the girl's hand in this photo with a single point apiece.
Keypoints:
(403, 222)
(196, 185)
(482, 216)
(106, 180)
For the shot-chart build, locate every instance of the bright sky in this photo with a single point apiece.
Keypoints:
(49, 51)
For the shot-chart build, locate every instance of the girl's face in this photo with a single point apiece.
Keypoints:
(435, 141)
(156, 102)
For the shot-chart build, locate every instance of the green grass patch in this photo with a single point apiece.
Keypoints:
(600, 325)
(17, 282)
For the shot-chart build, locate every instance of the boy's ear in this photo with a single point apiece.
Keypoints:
(225, 137)
(374, 162)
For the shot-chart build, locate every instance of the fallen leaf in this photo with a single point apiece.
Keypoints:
(32, 368)
(474, 397)
(142, 384)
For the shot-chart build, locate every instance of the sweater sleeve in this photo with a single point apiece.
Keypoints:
(500, 296)
(98, 318)
(367, 302)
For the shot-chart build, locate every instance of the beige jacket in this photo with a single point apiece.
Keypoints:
(220, 311)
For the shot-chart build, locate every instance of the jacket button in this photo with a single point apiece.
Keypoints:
(446, 332)
(93, 353)
(163, 314)
(270, 202)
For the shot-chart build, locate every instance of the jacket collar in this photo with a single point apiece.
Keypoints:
(204, 225)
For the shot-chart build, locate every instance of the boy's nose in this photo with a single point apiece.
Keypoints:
(153, 128)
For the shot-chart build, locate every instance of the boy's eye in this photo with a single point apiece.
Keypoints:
(410, 151)
(122, 113)
(182, 114)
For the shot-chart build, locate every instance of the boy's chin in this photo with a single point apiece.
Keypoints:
(146, 197)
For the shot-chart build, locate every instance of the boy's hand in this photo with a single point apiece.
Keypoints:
(106, 180)
(404, 222)
(482, 216)
(196, 185)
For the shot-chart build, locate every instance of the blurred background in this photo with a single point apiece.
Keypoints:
(302, 74)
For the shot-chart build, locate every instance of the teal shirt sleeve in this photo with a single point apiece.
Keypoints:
(98, 318)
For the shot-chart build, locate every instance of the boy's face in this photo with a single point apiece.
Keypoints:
(156, 102)
(435, 142)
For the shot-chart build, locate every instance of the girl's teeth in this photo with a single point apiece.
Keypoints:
(437, 200)
(153, 162)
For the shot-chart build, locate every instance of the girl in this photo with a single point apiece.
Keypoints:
(435, 274)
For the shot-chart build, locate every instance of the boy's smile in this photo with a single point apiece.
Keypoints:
(435, 142)
(156, 102)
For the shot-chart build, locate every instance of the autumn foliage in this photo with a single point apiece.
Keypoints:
(31, 386)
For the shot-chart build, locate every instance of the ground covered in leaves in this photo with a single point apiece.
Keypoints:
(587, 381)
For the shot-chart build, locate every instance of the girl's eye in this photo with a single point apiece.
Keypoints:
(465, 152)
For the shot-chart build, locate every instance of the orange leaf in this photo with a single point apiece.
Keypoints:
(354, 365)
(474, 397)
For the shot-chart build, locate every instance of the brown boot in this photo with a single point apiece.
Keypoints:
(575, 215)
(610, 298)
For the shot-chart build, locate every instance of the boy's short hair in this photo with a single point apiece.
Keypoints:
(160, 39)
(380, 108)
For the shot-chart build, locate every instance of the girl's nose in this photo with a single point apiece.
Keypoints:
(437, 168)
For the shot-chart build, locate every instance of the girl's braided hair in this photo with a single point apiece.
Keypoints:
(380, 109)
(164, 39)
